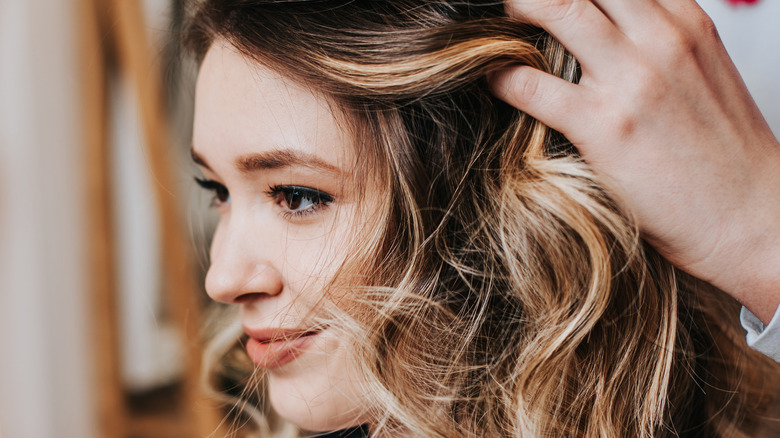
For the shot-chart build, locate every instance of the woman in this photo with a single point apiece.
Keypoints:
(410, 254)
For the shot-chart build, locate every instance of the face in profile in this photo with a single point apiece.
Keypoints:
(282, 171)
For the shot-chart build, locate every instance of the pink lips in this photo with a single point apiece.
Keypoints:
(272, 348)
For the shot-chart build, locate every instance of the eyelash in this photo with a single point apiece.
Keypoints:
(221, 193)
(288, 197)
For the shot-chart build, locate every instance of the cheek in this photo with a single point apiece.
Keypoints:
(312, 258)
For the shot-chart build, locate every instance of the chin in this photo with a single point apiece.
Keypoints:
(314, 410)
(318, 391)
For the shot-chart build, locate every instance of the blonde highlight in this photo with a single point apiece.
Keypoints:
(508, 293)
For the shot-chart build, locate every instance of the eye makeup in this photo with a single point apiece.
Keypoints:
(299, 201)
(220, 192)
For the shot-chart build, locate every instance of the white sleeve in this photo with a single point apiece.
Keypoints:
(765, 339)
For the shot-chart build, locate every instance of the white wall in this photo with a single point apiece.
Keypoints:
(44, 353)
(751, 34)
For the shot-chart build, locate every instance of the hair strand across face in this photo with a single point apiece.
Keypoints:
(505, 292)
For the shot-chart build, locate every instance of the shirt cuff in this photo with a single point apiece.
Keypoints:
(765, 339)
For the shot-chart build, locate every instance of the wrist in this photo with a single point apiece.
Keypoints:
(756, 284)
(747, 266)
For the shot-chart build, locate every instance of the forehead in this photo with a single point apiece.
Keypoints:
(243, 107)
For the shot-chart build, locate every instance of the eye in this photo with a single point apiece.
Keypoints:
(299, 200)
(221, 193)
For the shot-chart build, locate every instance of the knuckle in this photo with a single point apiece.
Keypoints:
(623, 122)
(705, 26)
(674, 47)
(695, 20)
(527, 90)
(671, 36)
(559, 10)
(678, 42)
(627, 110)
(683, 40)
(543, 12)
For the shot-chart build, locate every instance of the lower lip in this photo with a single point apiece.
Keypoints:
(276, 354)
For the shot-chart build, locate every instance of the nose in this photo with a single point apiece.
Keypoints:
(239, 271)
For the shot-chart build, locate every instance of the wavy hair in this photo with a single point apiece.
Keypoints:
(507, 294)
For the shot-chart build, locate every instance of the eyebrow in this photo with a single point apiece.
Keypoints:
(200, 161)
(274, 159)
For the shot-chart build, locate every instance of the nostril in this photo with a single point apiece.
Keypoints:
(248, 297)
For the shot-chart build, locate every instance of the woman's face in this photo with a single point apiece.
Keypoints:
(282, 171)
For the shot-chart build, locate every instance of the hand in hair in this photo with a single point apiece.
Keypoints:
(663, 117)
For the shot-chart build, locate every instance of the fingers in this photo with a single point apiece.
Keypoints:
(578, 24)
(600, 27)
(678, 7)
(553, 101)
(632, 17)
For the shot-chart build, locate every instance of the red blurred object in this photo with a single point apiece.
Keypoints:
(742, 2)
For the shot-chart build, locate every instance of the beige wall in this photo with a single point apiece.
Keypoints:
(44, 358)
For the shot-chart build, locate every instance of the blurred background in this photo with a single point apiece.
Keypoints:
(102, 241)
(101, 304)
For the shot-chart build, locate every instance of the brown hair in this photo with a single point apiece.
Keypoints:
(508, 294)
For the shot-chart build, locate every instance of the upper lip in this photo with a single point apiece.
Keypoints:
(278, 334)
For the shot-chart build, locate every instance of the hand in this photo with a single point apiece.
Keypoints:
(664, 119)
